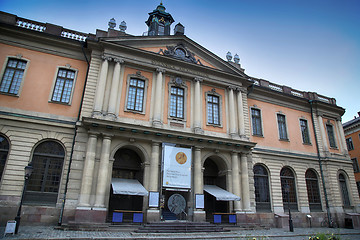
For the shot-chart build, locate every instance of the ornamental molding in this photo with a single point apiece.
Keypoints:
(180, 52)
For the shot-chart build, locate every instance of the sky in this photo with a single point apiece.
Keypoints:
(309, 45)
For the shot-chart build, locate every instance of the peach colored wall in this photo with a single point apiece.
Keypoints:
(337, 138)
(206, 127)
(270, 127)
(38, 82)
(122, 112)
(187, 108)
(157, 49)
(355, 153)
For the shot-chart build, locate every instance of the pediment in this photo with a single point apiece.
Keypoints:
(181, 48)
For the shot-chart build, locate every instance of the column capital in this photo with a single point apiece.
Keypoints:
(160, 70)
(119, 60)
(93, 133)
(233, 88)
(106, 58)
(107, 136)
(198, 79)
(241, 90)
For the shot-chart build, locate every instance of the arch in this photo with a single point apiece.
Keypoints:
(4, 152)
(221, 160)
(313, 191)
(344, 190)
(139, 149)
(262, 188)
(287, 177)
(47, 160)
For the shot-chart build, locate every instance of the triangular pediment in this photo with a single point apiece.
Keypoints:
(181, 48)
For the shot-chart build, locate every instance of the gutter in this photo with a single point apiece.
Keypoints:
(75, 133)
(330, 221)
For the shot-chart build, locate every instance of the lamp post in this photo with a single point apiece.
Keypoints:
(287, 190)
(28, 171)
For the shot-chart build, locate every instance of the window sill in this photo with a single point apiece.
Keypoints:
(61, 103)
(10, 94)
(214, 125)
(284, 140)
(255, 135)
(307, 144)
(135, 112)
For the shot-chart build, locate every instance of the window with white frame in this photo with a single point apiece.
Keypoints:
(282, 127)
(13, 76)
(305, 131)
(63, 86)
(213, 109)
(135, 98)
(331, 136)
(177, 102)
(349, 144)
(256, 122)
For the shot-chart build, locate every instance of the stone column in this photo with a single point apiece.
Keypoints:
(157, 119)
(197, 106)
(245, 181)
(323, 134)
(114, 88)
(103, 173)
(240, 111)
(198, 187)
(87, 177)
(100, 88)
(235, 179)
(153, 214)
(342, 140)
(232, 119)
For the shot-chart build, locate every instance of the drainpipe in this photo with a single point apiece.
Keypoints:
(75, 132)
(330, 222)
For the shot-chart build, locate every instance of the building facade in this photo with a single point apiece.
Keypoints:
(168, 130)
(352, 137)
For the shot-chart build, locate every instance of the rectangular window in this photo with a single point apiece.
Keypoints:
(282, 126)
(349, 144)
(177, 102)
(13, 75)
(305, 131)
(213, 108)
(256, 122)
(63, 86)
(358, 187)
(136, 95)
(331, 136)
(355, 165)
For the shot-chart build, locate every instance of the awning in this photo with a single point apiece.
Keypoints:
(220, 194)
(128, 187)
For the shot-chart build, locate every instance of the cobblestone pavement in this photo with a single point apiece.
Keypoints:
(48, 232)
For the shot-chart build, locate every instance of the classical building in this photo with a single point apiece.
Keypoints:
(156, 127)
(352, 136)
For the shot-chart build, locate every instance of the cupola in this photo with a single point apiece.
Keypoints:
(159, 21)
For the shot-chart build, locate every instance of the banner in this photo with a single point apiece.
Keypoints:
(177, 167)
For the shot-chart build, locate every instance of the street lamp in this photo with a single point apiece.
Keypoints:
(28, 171)
(287, 190)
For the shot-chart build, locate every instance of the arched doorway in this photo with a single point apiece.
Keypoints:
(214, 175)
(126, 166)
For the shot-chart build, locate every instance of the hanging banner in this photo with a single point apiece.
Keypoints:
(177, 167)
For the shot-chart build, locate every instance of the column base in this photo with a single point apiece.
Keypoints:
(157, 123)
(110, 117)
(198, 130)
(153, 215)
(87, 215)
(199, 216)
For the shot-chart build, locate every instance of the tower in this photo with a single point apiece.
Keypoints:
(159, 21)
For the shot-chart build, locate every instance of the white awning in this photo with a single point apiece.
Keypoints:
(220, 194)
(128, 187)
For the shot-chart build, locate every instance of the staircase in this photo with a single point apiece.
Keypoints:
(177, 226)
(167, 215)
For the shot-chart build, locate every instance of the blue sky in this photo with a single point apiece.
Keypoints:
(309, 45)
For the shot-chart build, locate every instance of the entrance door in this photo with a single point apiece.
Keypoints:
(175, 207)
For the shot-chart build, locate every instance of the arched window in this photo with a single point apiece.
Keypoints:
(4, 151)
(44, 183)
(288, 189)
(262, 193)
(312, 185)
(344, 190)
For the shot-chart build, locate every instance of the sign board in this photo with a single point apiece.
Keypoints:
(10, 227)
(177, 167)
(154, 199)
(199, 201)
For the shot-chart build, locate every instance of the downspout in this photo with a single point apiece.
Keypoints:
(330, 222)
(75, 133)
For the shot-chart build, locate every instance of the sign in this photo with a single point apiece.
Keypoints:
(153, 199)
(176, 203)
(10, 227)
(199, 201)
(177, 167)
